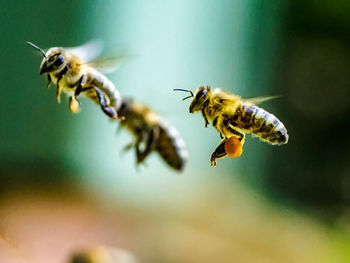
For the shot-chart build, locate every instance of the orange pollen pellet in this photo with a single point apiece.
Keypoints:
(233, 147)
(74, 106)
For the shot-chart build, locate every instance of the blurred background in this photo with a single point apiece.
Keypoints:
(65, 185)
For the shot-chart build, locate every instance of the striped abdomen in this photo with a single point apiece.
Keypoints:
(100, 81)
(257, 121)
(171, 146)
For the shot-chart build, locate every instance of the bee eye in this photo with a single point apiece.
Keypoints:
(53, 58)
(59, 61)
(201, 93)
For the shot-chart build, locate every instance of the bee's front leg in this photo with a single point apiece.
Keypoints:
(58, 90)
(128, 147)
(218, 153)
(135, 144)
(111, 112)
(48, 81)
(205, 119)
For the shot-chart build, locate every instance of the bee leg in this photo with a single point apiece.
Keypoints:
(138, 151)
(136, 145)
(151, 143)
(59, 88)
(141, 156)
(73, 104)
(237, 134)
(48, 81)
(218, 153)
(128, 147)
(226, 125)
(58, 91)
(151, 139)
(215, 123)
(111, 112)
(73, 101)
(205, 119)
(79, 88)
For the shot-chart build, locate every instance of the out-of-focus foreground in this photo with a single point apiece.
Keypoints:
(216, 224)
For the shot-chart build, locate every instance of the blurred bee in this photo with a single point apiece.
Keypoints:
(152, 134)
(234, 116)
(73, 71)
(103, 254)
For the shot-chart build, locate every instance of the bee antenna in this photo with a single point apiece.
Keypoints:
(37, 48)
(186, 90)
(187, 97)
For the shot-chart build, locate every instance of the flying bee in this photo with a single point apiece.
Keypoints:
(233, 116)
(103, 254)
(73, 72)
(153, 134)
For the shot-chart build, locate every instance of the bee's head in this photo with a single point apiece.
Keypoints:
(53, 61)
(200, 99)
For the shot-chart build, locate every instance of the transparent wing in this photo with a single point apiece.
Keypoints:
(108, 64)
(258, 100)
(88, 51)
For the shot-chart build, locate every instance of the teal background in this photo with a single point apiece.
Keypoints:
(295, 49)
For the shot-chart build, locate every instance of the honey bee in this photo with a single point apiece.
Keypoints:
(66, 68)
(233, 116)
(152, 134)
(102, 254)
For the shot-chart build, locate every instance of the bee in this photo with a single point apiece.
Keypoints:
(66, 68)
(151, 133)
(233, 116)
(103, 254)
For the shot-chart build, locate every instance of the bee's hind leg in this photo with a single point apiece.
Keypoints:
(109, 111)
(79, 88)
(218, 153)
(150, 138)
(230, 127)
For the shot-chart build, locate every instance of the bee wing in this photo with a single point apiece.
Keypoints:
(108, 64)
(258, 100)
(88, 51)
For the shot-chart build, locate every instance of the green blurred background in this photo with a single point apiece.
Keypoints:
(299, 192)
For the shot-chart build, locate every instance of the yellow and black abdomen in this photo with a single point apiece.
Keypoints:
(259, 122)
